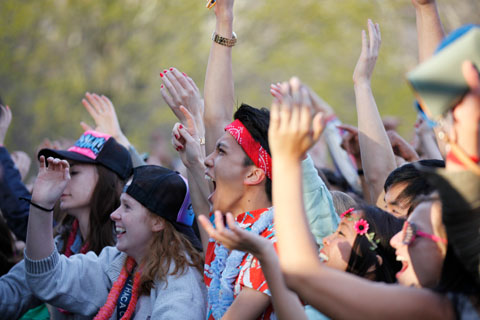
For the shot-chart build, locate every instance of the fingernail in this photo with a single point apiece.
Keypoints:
(176, 148)
(171, 69)
(177, 136)
(184, 74)
(161, 74)
(180, 147)
(161, 86)
(165, 71)
(180, 126)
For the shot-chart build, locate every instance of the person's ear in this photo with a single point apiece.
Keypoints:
(157, 223)
(254, 176)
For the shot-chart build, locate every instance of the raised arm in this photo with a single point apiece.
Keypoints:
(377, 155)
(12, 188)
(337, 294)
(285, 302)
(429, 27)
(186, 142)
(103, 112)
(48, 187)
(219, 89)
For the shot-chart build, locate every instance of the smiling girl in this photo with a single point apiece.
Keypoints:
(153, 272)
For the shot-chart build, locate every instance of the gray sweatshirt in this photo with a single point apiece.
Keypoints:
(82, 282)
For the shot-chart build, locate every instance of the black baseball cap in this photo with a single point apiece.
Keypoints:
(165, 193)
(96, 148)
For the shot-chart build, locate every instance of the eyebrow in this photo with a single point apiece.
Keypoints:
(221, 145)
(344, 225)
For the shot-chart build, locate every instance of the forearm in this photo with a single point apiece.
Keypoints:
(430, 146)
(39, 244)
(219, 89)
(295, 243)
(285, 302)
(429, 29)
(200, 203)
(339, 294)
(376, 152)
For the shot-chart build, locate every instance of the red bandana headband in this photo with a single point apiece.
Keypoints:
(252, 148)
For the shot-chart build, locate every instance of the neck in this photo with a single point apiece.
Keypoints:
(253, 200)
(83, 217)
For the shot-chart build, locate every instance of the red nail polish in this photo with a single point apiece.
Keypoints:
(180, 147)
(177, 136)
(161, 86)
(176, 148)
(161, 74)
(165, 71)
(180, 126)
(184, 74)
(171, 69)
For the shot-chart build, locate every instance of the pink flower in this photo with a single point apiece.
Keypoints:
(361, 227)
(347, 213)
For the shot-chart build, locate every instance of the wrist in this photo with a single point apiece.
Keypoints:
(224, 29)
(42, 205)
(196, 163)
(225, 18)
(362, 83)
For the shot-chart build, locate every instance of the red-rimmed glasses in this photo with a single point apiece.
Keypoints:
(410, 232)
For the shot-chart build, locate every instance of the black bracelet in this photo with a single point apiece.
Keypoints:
(36, 205)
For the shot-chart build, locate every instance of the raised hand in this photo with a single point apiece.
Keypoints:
(401, 147)
(234, 237)
(224, 8)
(350, 142)
(292, 130)
(22, 161)
(177, 90)
(51, 181)
(186, 140)
(103, 113)
(5, 120)
(422, 2)
(368, 57)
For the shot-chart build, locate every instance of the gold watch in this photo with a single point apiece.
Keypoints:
(224, 41)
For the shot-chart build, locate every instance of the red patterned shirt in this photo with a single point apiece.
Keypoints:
(250, 275)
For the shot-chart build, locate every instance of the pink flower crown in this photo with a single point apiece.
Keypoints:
(361, 228)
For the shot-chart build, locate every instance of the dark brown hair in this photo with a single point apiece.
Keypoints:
(105, 199)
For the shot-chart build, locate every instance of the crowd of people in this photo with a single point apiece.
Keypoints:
(253, 224)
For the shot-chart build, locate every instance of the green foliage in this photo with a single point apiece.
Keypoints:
(54, 51)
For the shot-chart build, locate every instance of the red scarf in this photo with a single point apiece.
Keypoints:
(107, 310)
(71, 240)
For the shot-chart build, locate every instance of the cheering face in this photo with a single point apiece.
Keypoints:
(225, 167)
(398, 208)
(420, 247)
(78, 192)
(337, 247)
(134, 227)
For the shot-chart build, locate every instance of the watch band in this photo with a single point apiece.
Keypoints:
(224, 41)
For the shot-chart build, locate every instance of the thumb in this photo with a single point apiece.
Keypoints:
(85, 126)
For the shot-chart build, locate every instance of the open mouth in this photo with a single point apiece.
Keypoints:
(119, 230)
(323, 257)
(214, 183)
(404, 265)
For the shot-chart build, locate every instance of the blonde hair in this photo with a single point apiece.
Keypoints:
(166, 247)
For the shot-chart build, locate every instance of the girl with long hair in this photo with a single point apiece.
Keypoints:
(155, 270)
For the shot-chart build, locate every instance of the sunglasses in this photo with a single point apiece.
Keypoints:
(410, 232)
